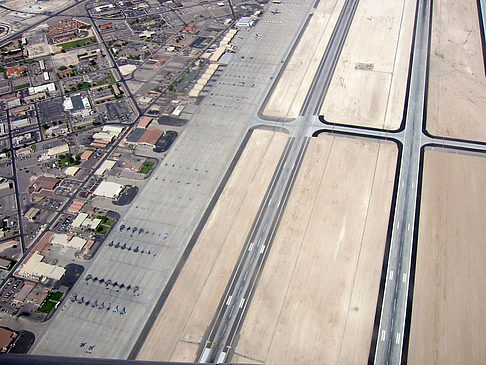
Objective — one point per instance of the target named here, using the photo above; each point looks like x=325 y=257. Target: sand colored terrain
x=289 y=94
x=457 y=86
x=369 y=85
x=193 y=300
x=316 y=299
x=448 y=317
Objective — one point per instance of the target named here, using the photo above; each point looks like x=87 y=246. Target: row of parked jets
x=95 y=304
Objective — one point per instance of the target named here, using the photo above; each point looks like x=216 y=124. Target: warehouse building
x=35 y=269
x=109 y=190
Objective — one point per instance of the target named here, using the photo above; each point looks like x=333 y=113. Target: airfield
x=324 y=268
x=342 y=227
x=369 y=85
x=447 y=316
x=457 y=84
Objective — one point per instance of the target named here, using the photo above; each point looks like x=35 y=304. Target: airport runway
x=387 y=347
x=227 y=320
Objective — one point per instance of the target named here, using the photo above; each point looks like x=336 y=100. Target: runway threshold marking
x=383 y=334
x=229 y=300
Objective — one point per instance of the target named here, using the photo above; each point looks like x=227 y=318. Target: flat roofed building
x=108 y=189
x=31 y=213
x=105 y=166
x=35 y=269
x=91 y=223
x=4 y=264
x=67 y=241
x=79 y=220
x=150 y=137
x=76 y=206
x=24 y=292
x=144 y=122
x=42 y=88
x=86 y=155
x=44 y=184
x=6 y=338
x=54 y=151
x=71 y=170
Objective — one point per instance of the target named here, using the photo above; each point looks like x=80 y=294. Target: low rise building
x=108 y=189
x=7 y=337
x=44 y=186
x=34 y=269
x=54 y=151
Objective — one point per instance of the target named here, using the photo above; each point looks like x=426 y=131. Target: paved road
x=227 y=321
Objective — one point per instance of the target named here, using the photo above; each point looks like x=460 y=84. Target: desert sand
x=369 y=85
x=316 y=299
x=289 y=94
x=193 y=300
x=457 y=84
x=448 y=317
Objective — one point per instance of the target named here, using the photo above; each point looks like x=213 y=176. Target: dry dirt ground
x=369 y=85
x=288 y=97
x=193 y=300
x=315 y=302
x=448 y=316
x=457 y=84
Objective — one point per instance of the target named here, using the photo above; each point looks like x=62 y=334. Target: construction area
x=457 y=86
x=378 y=71
x=193 y=300
x=289 y=94
x=448 y=320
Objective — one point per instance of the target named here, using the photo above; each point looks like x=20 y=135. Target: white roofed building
x=108 y=189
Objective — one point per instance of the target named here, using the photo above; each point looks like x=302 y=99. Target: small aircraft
x=275 y=12
x=123 y=311
x=82 y=344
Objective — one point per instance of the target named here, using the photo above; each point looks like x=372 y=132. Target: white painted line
x=408 y=228
x=270 y=201
x=221 y=357
x=278 y=204
x=404 y=277
x=383 y=333
x=242 y=302
x=398 y=225
x=251 y=246
x=403 y=183
x=391 y=274
x=229 y=300
x=205 y=355
x=413 y=185
x=398 y=338
x=262 y=249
